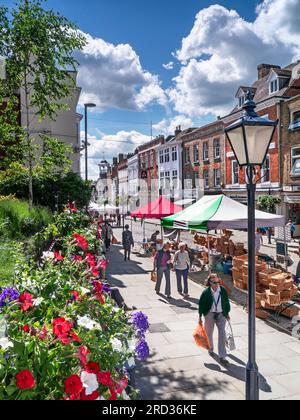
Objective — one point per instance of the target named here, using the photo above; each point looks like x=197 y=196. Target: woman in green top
x=214 y=305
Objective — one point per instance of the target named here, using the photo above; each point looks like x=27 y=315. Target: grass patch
x=10 y=254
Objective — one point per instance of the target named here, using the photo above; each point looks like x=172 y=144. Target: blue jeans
x=182 y=274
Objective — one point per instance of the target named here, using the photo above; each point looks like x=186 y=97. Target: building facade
x=133 y=181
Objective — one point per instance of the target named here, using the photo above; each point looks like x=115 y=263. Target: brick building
x=273 y=87
x=204 y=159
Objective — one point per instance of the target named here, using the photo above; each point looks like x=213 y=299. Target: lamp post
x=250 y=138
x=86 y=106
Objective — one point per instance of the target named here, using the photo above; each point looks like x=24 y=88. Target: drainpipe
x=280 y=153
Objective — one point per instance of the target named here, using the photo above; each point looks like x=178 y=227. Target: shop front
x=292 y=204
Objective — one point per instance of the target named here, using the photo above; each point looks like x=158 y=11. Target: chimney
x=115 y=161
x=264 y=70
x=121 y=157
x=177 y=130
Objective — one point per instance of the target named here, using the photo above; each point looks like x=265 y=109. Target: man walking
x=214 y=305
x=127 y=240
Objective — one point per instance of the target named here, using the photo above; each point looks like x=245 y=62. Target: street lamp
x=86 y=106
x=250 y=138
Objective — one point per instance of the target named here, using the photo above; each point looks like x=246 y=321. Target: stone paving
x=177 y=369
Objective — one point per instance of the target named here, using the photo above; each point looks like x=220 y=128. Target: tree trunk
x=28 y=141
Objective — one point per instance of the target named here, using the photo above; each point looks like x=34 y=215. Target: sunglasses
x=215 y=283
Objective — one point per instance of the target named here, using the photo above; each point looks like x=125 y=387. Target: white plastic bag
x=230 y=343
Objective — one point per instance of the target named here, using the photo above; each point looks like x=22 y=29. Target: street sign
x=281 y=248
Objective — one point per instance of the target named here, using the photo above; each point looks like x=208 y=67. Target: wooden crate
x=239 y=284
x=288 y=284
x=279 y=279
x=291 y=312
x=273 y=299
x=265 y=274
x=276 y=288
x=236 y=274
x=238 y=262
x=261 y=314
x=266 y=305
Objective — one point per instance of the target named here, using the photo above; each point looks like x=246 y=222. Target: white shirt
x=182 y=260
x=217 y=304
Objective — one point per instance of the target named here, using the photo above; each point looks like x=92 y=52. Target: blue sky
x=210 y=49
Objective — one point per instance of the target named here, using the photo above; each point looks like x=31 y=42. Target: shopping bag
x=154 y=276
x=201 y=338
x=229 y=340
x=114 y=240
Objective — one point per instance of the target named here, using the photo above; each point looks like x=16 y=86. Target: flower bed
x=61 y=336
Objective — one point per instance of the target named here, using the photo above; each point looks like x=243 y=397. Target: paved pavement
x=177 y=369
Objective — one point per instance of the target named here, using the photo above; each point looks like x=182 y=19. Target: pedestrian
x=293 y=229
x=214 y=305
x=182 y=266
x=107 y=234
x=258 y=241
x=162 y=263
x=127 y=241
x=153 y=239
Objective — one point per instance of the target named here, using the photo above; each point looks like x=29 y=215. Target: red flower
x=26 y=328
x=105 y=379
x=75 y=337
x=57 y=256
x=92 y=367
x=103 y=264
x=95 y=272
x=26 y=301
x=77 y=258
x=81 y=242
x=61 y=326
x=25 y=380
x=98 y=289
x=91 y=397
x=75 y=296
x=113 y=395
x=83 y=352
x=73 y=385
x=91 y=260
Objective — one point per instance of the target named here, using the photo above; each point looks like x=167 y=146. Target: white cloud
x=168 y=126
x=223 y=50
x=109 y=146
x=169 y=66
x=112 y=76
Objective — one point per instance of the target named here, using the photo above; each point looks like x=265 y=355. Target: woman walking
x=214 y=305
x=162 y=263
x=182 y=266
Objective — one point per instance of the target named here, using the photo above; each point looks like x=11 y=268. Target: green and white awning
x=219 y=212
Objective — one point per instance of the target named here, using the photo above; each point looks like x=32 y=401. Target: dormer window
x=242 y=100
x=274 y=86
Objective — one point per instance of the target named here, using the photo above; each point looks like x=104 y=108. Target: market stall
x=158 y=209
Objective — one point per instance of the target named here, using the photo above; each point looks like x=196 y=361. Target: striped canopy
x=219 y=212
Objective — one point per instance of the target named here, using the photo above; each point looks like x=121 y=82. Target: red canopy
x=157 y=210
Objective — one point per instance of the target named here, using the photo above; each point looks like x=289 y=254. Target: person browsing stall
x=182 y=266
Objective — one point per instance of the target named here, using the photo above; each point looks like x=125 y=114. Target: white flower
x=89 y=381
x=117 y=345
x=5 y=343
x=38 y=301
x=88 y=323
x=3 y=326
x=84 y=291
x=48 y=255
x=132 y=345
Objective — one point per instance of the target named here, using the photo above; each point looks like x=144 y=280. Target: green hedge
x=16 y=221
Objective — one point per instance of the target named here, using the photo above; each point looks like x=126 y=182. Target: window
x=167 y=179
x=196 y=153
x=274 y=86
x=295 y=123
x=205 y=151
x=235 y=172
x=161 y=156
x=217 y=149
x=295 y=161
x=206 y=179
x=167 y=155
x=242 y=101
x=151 y=159
x=265 y=170
x=217 y=177
x=162 y=177
x=197 y=179
x=175 y=179
x=187 y=155
x=174 y=154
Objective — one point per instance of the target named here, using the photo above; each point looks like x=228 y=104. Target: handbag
x=114 y=240
x=154 y=276
x=229 y=340
x=201 y=338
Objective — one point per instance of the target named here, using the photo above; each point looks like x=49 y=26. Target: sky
x=171 y=62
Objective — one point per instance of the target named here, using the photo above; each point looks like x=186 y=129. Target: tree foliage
x=269 y=203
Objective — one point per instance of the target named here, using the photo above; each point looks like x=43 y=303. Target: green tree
x=39 y=48
x=269 y=203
